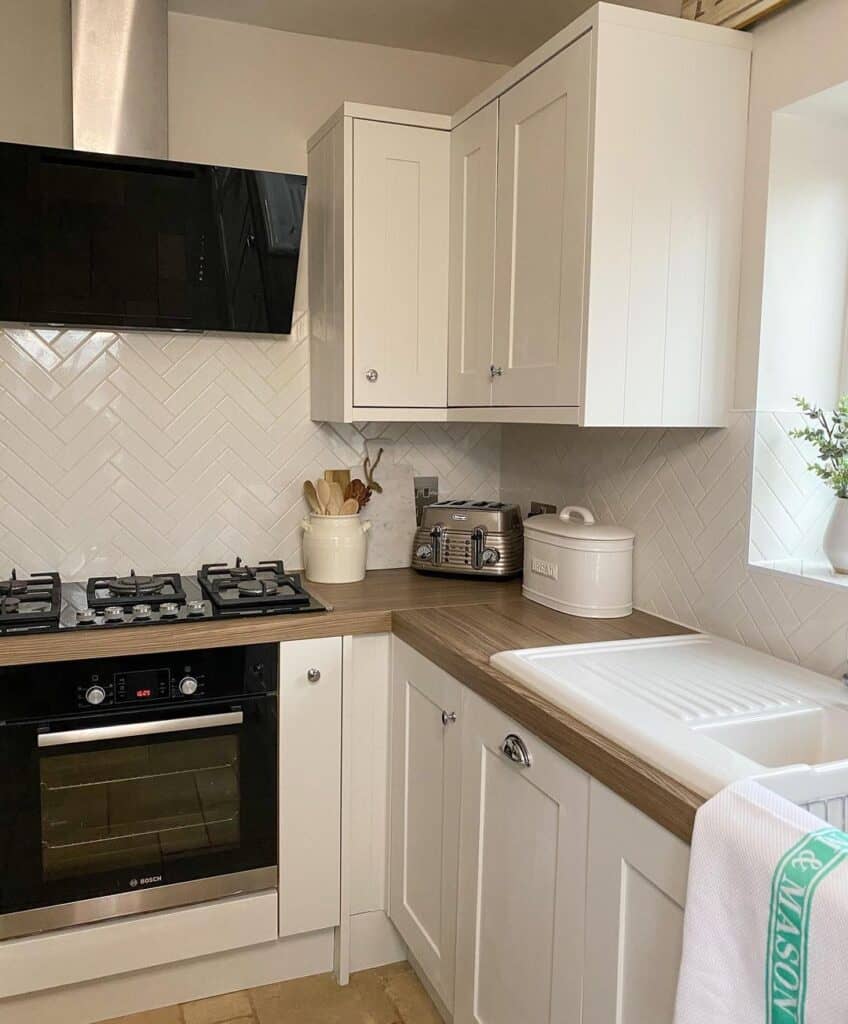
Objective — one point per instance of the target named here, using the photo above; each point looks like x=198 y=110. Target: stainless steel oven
x=133 y=784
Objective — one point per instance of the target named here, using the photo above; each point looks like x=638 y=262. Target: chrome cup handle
x=516 y=750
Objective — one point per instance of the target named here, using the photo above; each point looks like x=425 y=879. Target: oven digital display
x=146 y=684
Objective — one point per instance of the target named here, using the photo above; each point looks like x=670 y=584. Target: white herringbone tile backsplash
x=686 y=494
x=160 y=451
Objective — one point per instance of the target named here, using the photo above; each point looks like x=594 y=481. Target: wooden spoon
x=311 y=496
x=350 y=507
x=322 y=489
x=334 y=505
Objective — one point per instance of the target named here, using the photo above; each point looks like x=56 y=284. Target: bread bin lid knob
x=577 y=523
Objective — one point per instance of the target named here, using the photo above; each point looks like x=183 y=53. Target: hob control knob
x=188 y=686
x=95 y=695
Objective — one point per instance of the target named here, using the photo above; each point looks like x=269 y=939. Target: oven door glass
x=123 y=803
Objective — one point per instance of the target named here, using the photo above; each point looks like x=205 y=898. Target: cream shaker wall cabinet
x=377 y=214
x=616 y=157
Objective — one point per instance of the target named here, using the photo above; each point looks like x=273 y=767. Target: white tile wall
x=686 y=493
x=791 y=506
x=162 y=451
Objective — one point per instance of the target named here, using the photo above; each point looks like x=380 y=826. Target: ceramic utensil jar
x=577 y=565
x=334 y=548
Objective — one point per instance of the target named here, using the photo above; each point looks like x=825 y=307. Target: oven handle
x=118 y=732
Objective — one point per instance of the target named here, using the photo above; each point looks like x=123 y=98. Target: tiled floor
x=385 y=995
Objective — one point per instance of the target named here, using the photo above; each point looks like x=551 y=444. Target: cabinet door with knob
x=522 y=875
x=310 y=742
x=400 y=269
x=542 y=213
x=425 y=792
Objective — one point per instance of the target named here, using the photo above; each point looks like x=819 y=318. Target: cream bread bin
x=577 y=565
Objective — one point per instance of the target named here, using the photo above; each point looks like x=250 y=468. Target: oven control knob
x=188 y=686
x=95 y=695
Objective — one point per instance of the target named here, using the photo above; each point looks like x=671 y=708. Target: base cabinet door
x=522 y=876
x=425 y=791
x=542 y=211
x=310 y=784
x=634 y=914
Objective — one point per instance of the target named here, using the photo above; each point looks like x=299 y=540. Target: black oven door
x=117 y=813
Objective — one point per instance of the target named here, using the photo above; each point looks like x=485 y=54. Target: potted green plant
x=828 y=433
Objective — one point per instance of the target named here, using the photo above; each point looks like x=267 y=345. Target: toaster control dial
x=491 y=556
x=424 y=552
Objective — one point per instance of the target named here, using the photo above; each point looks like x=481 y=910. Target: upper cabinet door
x=400 y=267
x=541 y=231
x=474 y=173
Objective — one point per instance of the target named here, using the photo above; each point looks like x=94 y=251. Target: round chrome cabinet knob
x=95 y=695
x=141 y=611
x=168 y=610
x=313 y=675
x=188 y=686
x=114 y=613
x=371 y=376
x=424 y=552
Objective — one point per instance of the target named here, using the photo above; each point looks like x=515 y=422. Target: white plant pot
x=835 y=542
x=334 y=548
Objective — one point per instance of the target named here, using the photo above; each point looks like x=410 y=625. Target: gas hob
x=43 y=603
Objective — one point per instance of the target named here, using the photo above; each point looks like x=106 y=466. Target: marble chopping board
x=392 y=514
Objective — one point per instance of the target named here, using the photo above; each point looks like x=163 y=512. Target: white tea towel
x=765 y=935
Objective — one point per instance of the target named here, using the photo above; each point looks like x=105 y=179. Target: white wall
x=35 y=72
x=687 y=493
x=253 y=96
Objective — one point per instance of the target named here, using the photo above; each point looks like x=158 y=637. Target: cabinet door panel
x=424 y=814
x=634 y=914
x=310 y=801
x=474 y=158
x=400 y=270
x=522 y=878
x=540 y=264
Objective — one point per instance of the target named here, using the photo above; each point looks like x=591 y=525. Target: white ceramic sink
x=703 y=709
x=814 y=735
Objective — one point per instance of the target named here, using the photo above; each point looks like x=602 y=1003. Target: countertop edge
x=665 y=800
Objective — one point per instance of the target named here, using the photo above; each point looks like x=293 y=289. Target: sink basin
x=814 y=735
x=702 y=709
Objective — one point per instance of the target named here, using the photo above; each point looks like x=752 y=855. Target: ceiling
x=500 y=31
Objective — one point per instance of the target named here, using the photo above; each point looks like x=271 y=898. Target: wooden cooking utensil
x=322 y=489
x=311 y=496
x=350 y=507
x=339 y=476
x=336 y=499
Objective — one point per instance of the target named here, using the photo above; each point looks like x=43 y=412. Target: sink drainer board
x=695 y=679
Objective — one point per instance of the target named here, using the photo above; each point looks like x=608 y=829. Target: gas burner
x=265 y=587
x=33 y=603
x=130 y=591
x=137 y=586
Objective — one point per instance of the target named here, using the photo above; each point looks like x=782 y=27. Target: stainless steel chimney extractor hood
x=120 y=76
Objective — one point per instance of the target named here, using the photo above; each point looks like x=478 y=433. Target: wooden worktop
x=456 y=623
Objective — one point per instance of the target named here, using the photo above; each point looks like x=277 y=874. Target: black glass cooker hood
x=110 y=241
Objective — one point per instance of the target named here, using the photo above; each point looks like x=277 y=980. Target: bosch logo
x=150 y=880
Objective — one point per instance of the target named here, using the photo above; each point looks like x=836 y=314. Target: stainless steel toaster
x=475 y=538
